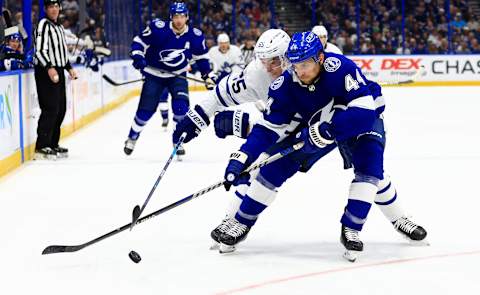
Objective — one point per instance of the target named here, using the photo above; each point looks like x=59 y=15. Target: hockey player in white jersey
x=322 y=33
x=226 y=58
x=249 y=85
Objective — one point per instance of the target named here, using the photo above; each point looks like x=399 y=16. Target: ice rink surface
x=432 y=155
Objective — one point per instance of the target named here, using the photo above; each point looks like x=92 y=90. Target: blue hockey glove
x=28 y=61
x=231 y=123
x=139 y=62
x=210 y=80
x=237 y=164
x=192 y=123
x=315 y=137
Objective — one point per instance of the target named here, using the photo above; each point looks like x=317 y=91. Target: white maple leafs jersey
x=332 y=48
x=228 y=62
x=249 y=85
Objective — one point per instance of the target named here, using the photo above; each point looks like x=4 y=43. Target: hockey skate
x=226 y=224
x=413 y=232
x=234 y=235
x=165 y=124
x=351 y=241
x=180 y=152
x=62 y=152
x=45 y=154
x=129 y=146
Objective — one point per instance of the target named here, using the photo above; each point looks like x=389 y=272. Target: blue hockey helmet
x=178 y=8
x=303 y=46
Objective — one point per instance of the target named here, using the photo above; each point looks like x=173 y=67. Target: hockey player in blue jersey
x=318 y=85
x=11 y=55
x=161 y=50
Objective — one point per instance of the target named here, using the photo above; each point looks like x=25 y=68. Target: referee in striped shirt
x=51 y=61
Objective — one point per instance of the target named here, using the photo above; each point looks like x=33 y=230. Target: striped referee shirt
x=247 y=54
x=51 y=45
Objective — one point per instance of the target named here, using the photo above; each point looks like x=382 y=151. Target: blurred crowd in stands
x=426 y=26
x=86 y=42
x=377 y=29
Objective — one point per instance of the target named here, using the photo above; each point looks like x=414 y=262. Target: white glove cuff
x=239 y=156
x=316 y=138
x=197 y=119
x=237 y=123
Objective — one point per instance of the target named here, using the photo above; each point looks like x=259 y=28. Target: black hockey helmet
x=50 y=2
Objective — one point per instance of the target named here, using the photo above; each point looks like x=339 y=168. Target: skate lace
x=237 y=229
x=130 y=143
x=352 y=235
x=225 y=225
x=405 y=225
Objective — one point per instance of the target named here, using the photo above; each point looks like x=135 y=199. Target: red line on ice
x=342 y=269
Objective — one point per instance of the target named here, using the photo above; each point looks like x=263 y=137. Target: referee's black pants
x=53 y=103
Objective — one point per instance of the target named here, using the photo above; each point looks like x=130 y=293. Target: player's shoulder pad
x=332 y=62
x=197 y=32
x=158 y=23
x=280 y=83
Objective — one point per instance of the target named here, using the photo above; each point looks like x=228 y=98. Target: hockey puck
x=134 y=256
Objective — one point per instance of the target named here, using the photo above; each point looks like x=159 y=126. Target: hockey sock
x=180 y=108
x=139 y=122
x=163 y=107
x=362 y=193
x=260 y=195
x=387 y=201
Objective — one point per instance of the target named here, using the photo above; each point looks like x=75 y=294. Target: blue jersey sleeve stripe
x=220 y=98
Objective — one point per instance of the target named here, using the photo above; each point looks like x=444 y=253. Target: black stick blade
x=60 y=249
x=135 y=215
x=7 y=18
x=107 y=78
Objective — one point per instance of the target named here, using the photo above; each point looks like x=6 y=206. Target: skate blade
x=44 y=157
x=62 y=156
x=224 y=249
x=351 y=255
x=422 y=243
x=215 y=246
x=180 y=158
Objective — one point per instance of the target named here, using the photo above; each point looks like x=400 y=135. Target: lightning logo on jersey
x=172 y=57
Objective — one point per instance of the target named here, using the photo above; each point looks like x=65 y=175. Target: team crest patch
x=310 y=37
x=277 y=83
x=159 y=24
x=197 y=32
x=332 y=64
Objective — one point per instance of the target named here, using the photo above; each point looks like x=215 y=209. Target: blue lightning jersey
x=12 y=59
x=165 y=50
x=340 y=85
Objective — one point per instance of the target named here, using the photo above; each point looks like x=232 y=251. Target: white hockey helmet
x=272 y=43
x=320 y=31
x=223 y=38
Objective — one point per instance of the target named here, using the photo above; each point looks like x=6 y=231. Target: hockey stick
x=400 y=83
x=137 y=211
x=183 y=77
x=110 y=81
x=61 y=249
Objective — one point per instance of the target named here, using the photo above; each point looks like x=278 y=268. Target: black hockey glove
x=231 y=123
x=192 y=123
x=210 y=80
